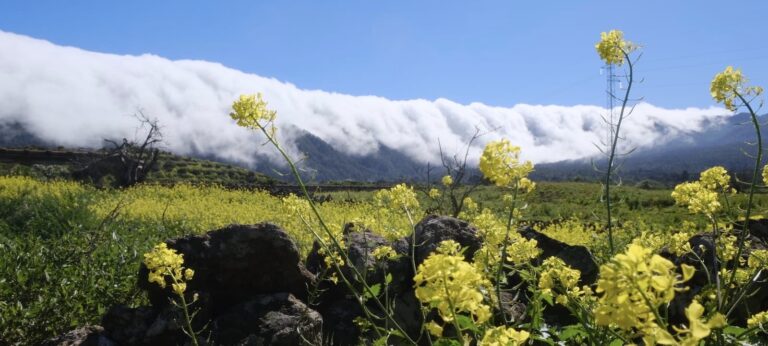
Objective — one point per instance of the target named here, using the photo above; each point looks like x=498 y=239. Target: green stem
x=612 y=155
x=335 y=241
x=758 y=161
x=500 y=270
x=453 y=310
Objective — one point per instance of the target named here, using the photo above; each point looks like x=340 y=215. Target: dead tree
x=128 y=162
x=455 y=166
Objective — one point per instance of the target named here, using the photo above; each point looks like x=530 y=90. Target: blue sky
x=496 y=52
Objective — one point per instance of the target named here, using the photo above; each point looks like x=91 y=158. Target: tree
x=129 y=162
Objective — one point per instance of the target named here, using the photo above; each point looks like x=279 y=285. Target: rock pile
x=251 y=287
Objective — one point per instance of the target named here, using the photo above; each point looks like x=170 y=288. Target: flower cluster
x=451 y=285
x=715 y=179
x=163 y=262
x=633 y=286
x=698 y=198
x=729 y=85
x=757 y=319
x=250 y=111
x=400 y=196
x=612 y=47
x=447 y=180
x=504 y=336
x=559 y=280
x=765 y=174
x=500 y=163
x=385 y=252
x=698 y=329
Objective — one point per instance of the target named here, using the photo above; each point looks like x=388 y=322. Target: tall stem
x=500 y=270
x=356 y=273
x=758 y=161
x=612 y=155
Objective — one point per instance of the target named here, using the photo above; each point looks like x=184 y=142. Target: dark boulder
x=576 y=256
x=235 y=264
x=434 y=229
x=83 y=336
x=273 y=319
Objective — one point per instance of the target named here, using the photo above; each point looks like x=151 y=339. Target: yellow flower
x=765 y=174
x=715 y=179
x=504 y=336
x=698 y=198
x=728 y=85
x=757 y=319
x=470 y=204
x=451 y=285
x=447 y=180
x=384 y=252
x=698 y=329
x=401 y=196
x=500 y=163
x=522 y=250
x=435 y=329
x=250 y=111
x=179 y=288
x=633 y=285
x=758 y=259
x=558 y=279
x=163 y=262
x=612 y=47
x=434 y=193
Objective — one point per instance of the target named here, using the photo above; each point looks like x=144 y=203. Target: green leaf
x=548 y=298
x=388 y=278
x=734 y=330
x=616 y=342
x=446 y=342
x=570 y=332
x=382 y=341
x=374 y=292
x=466 y=323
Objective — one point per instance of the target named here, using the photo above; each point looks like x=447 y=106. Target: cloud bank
x=74 y=97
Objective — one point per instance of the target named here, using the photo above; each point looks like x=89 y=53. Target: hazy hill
x=678 y=160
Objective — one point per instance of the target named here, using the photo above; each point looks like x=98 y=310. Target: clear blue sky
x=495 y=52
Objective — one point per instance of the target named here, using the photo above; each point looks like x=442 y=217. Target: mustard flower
x=728 y=85
x=500 y=163
x=434 y=193
x=401 y=196
x=715 y=179
x=504 y=336
x=633 y=285
x=765 y=174
x=451 y=285
x=612 y=47
x=435 y=329
x=698 y=198
x=758 y=259
x=384 y=252
x=757 y=319
x=557 y=279
x=522 y=250
x=447 y=180
x=250 y=111
x=164 y=262
x=697 y=329
x=470 y=204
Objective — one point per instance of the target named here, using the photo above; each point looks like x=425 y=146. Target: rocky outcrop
x=83 y=336
x=235 y=264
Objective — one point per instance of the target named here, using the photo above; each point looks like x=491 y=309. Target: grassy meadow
x=69 y=251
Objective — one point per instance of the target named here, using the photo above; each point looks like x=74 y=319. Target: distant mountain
x=678 y=160
x=322 y=162
x=672 y=162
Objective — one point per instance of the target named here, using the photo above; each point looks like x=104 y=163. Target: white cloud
x=76 y=98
